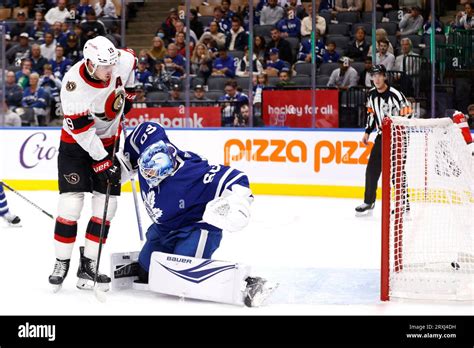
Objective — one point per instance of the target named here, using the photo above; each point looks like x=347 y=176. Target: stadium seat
x=206 y=10
x=157 y=96
x=341 y=41
x=393 y=40
x=304 y=81
x=214 y=2
x=338 y=29
x=196 y=3
x=415 y=39
x=263 y=30
x=367 y=17
x=237 y=54
x=273 y=80
x=322 y=80
x=327 y=16
x=303 y=68
x=347 y=17
x=5 y=13
x=367 y=27
x=18 y=9
x=359 y=66
x=197 y=81
x=327 y=68
x=294 y=43
x=216 y=83
x=214 y=95
x=243 y=82
x=390 y=27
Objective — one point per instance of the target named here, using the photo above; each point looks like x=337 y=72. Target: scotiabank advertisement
x=292 y=108
x=175 y=117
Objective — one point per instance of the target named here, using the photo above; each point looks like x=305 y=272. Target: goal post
x=427 y=211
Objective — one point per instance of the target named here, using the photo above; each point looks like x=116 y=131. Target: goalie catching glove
x=105 y=170
x=231 y=211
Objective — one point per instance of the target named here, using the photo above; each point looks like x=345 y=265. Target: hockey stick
x=26 y=199
x=134 y=192
x=99 y=294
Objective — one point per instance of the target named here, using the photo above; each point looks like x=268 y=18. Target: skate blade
x=86 y=284
x=57 y=287
x=366 y=213
x=262 y=296
x=140 y=286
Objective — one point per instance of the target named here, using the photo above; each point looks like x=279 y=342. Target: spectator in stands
x=290 y=25
x=386 y=6
x=259 y=48
x=210 y=43
x=348 y=5
x=298 y=8
x=241 y=118
x=405 y=64
x=260 y=84
x=181 y=28
x=307 y=24
x=201 y=61
x=19 y=51
x=365 y=78
x=284 y=78
x=39 y=29
x=174 y=62
x=304 y=54
x=216 y=34
x=78 y=31
x=20 y=26
x=13 y=91
x=222 y=22
x=427 y=26
x=224 y=65
x=60 y=64
x=195 y=24
x=49 y=46
x=237 y=38
x=82 y=9
x=180 y=42
x=284 y=47
x=326 y=6
x=140 y=99
x=330 y=54
x=8 y=42
x=175 y=97
x=158 y=50
x=42 y=6
x=12 y=119
x=57 y=14
x=35 y=98
x=106 y=9
x=470 y=114
x=168 y=25
x=72 y=51
x=37 y=60
x=411 y=23
x=91 y=27
x=275 y=64
x=200 y=95
x=65 y=31
x=143 y=75
x=465 y=20
x=243 y=66
x=383 y=56
x=57 y=33
x=271 y=14
x=380 y=34
x=52 y=86
x=23 y=76
x=235 y=98
x=357 y=49
x=345 y=76
x=228 y=13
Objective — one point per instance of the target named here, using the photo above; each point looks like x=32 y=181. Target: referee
x=382 y=101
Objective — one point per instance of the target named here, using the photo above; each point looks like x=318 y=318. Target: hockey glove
x=105 y=170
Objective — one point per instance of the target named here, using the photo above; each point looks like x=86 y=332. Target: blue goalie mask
x=156 y=163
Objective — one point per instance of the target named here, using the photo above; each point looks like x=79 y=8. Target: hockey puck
x=455 y=265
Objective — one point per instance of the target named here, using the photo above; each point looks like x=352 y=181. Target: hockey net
x=427 y=211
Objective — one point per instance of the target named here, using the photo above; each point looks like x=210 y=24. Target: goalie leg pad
x=210 y=280
x=98 y=203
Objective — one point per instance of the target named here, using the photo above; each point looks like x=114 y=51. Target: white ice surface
x=325 y=259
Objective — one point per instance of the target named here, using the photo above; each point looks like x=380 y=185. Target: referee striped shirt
x=389 y=103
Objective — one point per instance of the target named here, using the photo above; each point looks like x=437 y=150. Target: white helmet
x=100 y=51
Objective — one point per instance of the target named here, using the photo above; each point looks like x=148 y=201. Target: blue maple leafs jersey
x=180 y=199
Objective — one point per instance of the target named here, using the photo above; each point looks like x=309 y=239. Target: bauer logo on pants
x=72 y=178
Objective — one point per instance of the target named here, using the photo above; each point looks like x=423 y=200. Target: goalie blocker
x=190 y=277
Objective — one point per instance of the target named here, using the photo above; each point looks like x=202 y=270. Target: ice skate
x=61 y=267
x=12 y=219
x=257 y=291
x=365 y=209
x=86 y=273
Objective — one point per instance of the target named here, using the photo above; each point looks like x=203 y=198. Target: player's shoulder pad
x=128 y=55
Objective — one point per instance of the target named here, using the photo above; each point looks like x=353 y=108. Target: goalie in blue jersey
x=191 y=203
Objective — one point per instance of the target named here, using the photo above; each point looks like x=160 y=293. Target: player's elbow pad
x=229 y=213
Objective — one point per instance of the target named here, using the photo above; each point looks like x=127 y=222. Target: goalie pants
x=198 y=241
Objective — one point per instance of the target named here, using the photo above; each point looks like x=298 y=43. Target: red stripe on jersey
x=83 y=129
x=66 y=137
x=67 y=240
x=97 y=220
x=108 y=141
x=95 y=238
x=66 y=221
x=87 y=79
